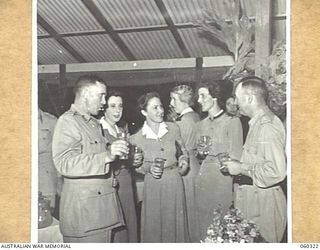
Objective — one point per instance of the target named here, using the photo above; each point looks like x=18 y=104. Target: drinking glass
x=123 y=136
x=159 y=162
x=205 y=141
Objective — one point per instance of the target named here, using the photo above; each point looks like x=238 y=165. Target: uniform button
x=99 y=192
x=162 y=149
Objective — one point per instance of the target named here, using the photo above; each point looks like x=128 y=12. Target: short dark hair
x=86 y=81
x=144 y=99
x=257 y=85
x=216 y=91
x=115 y=93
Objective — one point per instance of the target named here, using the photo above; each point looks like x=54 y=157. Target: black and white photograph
x=162 y=121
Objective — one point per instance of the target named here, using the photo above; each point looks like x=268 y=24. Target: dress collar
x=107 y=126
x=148 y=132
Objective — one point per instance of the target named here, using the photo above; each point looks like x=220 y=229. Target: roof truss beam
x=47 y=27
x=96 y=13
x=172 y=28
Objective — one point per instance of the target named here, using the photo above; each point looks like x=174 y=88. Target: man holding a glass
x=263 y=161
x=89 y=204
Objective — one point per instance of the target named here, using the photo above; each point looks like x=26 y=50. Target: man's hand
x=233 y=166
x=183 y=166
x=119 y=147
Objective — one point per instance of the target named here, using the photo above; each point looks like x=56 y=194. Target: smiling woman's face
x=114 y=110
x=154 y=111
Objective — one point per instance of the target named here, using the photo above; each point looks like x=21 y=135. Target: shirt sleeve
x=67 y=152
x=187 y=133
x=145 y=166
x=271 y=168
x=235 y=133
x=181 y=144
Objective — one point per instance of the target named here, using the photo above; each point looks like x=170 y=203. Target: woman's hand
x=137 y=159
x=156 y=171
x=183 y=166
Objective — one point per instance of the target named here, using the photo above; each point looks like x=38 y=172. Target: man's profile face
x=241 y=99
x=96 y=98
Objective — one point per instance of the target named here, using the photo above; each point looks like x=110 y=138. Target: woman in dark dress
x=121 y=170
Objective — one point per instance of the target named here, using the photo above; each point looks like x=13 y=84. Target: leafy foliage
x=237 y=35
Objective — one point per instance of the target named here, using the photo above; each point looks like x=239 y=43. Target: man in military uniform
x=263 y=160
x=49 y=180
x=89 y=206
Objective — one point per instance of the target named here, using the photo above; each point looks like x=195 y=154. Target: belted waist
x=211 y=159
x=170 y=167
x=95 y=178
x=167 y=168
x=243 y=180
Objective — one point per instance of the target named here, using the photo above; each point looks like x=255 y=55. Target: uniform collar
x=148 y=132
x=76 y=111
x=217 y=115
x=187 y=110
x=264 y=114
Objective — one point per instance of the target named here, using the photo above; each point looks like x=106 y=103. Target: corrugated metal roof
x=197 y=46
x=97 y=48
x=152 y=45
x=41 y=31
x=71 y=16
x=130 y=13
x=186 y=11
x=51 y=52
x=67 y=16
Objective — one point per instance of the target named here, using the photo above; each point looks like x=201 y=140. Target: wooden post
x=199 y=66
x=262 y=36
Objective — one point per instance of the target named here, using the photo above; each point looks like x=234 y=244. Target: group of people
x=184 y=178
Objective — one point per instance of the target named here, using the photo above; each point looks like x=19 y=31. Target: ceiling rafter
x=47 y=27
x=172 y=27
x=96 y=13
x=124 y=30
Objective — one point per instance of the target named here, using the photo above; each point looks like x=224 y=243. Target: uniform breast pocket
x=94 y=146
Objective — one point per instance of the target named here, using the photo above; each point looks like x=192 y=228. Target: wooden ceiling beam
x=160 y=64
x=172 y=27
x=96 y=13
x=53 y=34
